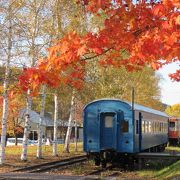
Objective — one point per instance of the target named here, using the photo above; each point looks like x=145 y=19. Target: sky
x=170 y=91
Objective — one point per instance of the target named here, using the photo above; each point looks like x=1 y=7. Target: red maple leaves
x=134 y=35
x=175 y=76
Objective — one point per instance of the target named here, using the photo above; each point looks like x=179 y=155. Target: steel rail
x=97 y=172
x=50 y=165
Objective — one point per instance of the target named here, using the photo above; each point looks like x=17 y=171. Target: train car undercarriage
x=120 y=159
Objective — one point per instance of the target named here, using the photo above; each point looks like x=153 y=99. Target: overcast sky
x=170 y=90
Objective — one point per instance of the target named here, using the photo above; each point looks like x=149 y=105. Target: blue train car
x=113 y=128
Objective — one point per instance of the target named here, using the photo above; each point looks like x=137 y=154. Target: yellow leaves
x=173 y=110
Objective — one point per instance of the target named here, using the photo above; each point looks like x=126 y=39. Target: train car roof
x=174 y=118
x=136 y=106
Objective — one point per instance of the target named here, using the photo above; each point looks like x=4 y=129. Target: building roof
x=35 y=117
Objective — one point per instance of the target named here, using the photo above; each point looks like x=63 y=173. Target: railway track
x=51 y=165
x=111 y=173
x=99 y=171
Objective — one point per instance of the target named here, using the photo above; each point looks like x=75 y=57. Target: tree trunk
x=55 y=125
x=71 y=116
x=4 y=125
x=40 y=132
x=26 y=128
x=76 y=136
x=5 y=93
x=16 y=140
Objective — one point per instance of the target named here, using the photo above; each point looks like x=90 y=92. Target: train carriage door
x=108 y=130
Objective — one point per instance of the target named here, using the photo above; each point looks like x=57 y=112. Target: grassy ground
x=13 y=154
x=46 y=150
x=156 y=170
x=163 y=169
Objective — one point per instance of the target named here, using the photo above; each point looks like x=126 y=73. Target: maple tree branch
x=88 y=58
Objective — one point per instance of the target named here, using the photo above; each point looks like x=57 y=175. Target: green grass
x=165 y=173
x=172 y=148
x=160 y=172
x=170 y=171
x=47 y=150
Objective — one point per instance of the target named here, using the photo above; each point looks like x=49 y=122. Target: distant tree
x=173 y=110
x=118 y=83
x=15 y=104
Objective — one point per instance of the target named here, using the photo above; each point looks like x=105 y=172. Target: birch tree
x=35 y=39
x=66 y=16
x=40 y=131
x=26 y=127
x=55 y=125
x=7 y=28
x=6 y=83
x=70 y=122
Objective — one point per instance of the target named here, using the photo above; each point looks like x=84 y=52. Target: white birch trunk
x=55 y=125
x=71 y=116
x=4 y=124
x=40 y=130
x=26 y=128
x=76 y=136
x=5 y=93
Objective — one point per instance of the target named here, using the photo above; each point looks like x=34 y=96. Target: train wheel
x=103 y=163
x=97 y=161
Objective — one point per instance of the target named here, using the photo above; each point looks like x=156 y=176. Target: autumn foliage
x=135 y=34
x=15 y=104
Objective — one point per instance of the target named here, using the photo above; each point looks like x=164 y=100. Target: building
x=48 y=126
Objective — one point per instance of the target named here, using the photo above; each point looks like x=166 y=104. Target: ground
x=13 y=162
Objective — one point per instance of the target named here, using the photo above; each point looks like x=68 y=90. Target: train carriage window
x=172 y=124
x=153 y=127
x=124 y=126
x=143 y=129
x=166 y=127
x=150 y=128
x=137 y=127
x=157 y=127
x=108 y=121
x=163 y=127
x=160 y=127
x=146 y=126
